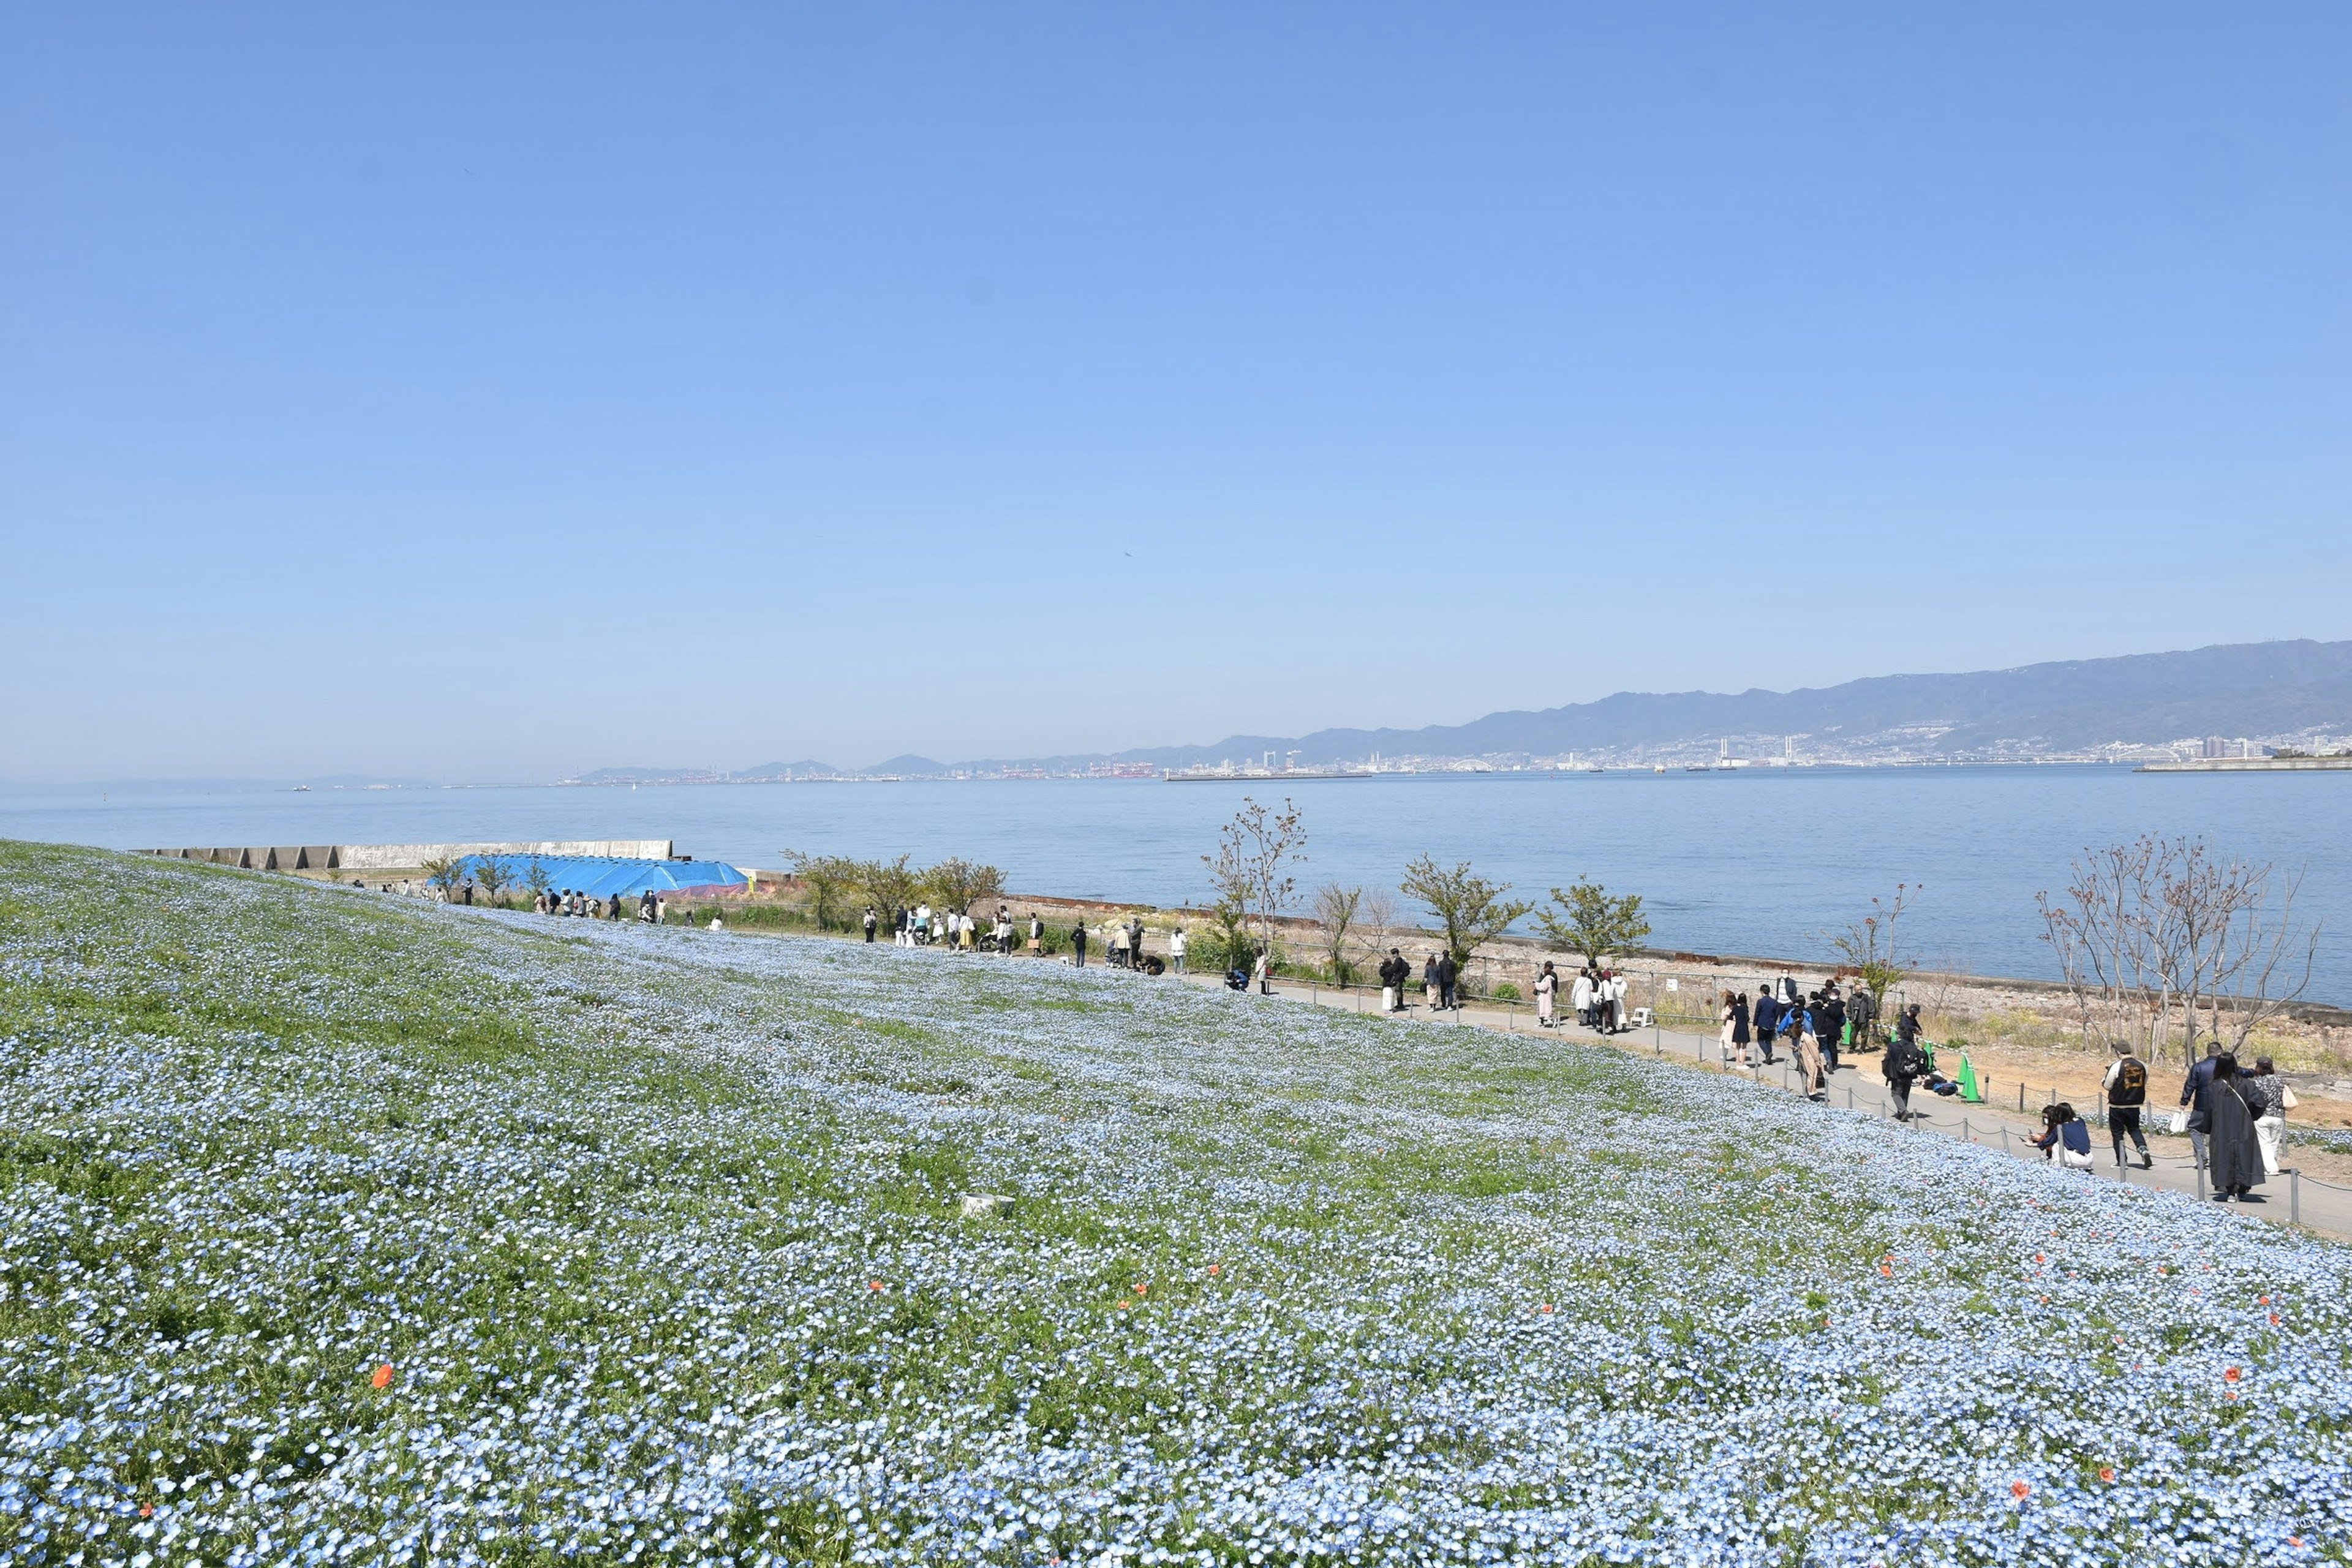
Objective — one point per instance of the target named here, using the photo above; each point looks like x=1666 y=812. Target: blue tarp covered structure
x=603 y=876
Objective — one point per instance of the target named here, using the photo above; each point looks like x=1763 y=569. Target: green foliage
x=889 y=885
x=1506 y=992
x=829 y=880
x=961 y=885
x=491 y=875
x=1585 y=919
x=536 y=878
x=1471 y=909
x=444 y=872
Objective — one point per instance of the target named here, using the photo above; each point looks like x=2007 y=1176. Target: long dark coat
x=2236 y=1157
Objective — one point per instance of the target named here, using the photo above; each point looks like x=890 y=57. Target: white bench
x=1639 y=1018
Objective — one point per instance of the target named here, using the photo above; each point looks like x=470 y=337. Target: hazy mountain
x=2244 y=689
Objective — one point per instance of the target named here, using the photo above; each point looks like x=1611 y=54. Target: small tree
x=1376 y=919
x=958 y=884
x=1868 y=944
x=536 y=878
x=1335 y=915
x=445 y=872
x=1586 y=919
x=889 y=885
x=492 y=873
x=829 y=880
x=1472 y=909
x=1249 y=869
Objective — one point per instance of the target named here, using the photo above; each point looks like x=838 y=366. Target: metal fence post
x=2004 y=1139
x=2294 y=1197
x=2200 y=1179
x=1967 y=1136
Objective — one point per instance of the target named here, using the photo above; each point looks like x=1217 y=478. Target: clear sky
x=477 y=391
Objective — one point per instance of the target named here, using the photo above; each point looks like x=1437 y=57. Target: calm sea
x=1758 y=862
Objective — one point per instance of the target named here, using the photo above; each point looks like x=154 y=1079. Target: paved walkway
x=2284 y=1198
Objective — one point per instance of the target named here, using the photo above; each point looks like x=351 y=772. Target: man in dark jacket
x=1447 y=974
x=2192 y=1095
x=1862 y=1011
x=1765 y=1019
x=1079 y=944
x=1905 y=1063
x=1831 y=1020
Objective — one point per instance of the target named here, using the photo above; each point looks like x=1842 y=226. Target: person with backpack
x=1904 y=1064
x=2126 y=1090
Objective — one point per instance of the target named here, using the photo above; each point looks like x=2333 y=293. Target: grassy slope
x=615 y=1204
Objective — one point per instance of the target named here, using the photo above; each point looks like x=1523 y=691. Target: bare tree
x=1868 y=944
x=1249 y=869
x=2164 y=926
x=1472 y=909
x=1376 y=919
x=1335 y=914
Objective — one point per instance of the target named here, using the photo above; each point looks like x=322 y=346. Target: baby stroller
x=1237 y=979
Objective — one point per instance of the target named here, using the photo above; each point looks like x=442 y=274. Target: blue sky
x=482 y=393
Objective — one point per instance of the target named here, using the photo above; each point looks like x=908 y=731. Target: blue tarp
x=607 y=877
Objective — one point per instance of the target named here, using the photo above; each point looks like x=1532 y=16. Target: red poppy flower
x=382 y=1378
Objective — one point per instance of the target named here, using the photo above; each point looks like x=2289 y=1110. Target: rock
x=978 y=1205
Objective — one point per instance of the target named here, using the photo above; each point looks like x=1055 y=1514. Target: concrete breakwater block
x=978 y=1205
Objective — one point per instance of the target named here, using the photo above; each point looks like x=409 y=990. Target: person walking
x=1799 y=1028
x=1079 y=944
x=1766 y=1020
x=2269 y=1127
x=1906 y=1029
x=1904 y=1062
x=2233 y=1145
x=2125 y=1088
x=1547 y=990
x=2192 y=1097
x=1830 y=1022
x=1729 y=1018
x=873 y=923
x=1177 y=944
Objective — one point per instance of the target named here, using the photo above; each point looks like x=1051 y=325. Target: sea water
x=1762 y=861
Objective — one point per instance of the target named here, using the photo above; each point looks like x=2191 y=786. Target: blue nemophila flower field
x=336 y=1229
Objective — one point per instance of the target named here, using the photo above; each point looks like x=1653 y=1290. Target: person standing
x=1860 y=1013
x=1264 y=969
x=1115 y=943
x=1546 y=989
x=1448 y=979
x=873 y=923
x=1730 y=1016
x=2192 y=1097
x=2232 y=1146
x=1079 y=944
x=1178 y=943
x=1766 y=1018
x=1579 y=997
x=1739 y=1029
x=2125 y=1087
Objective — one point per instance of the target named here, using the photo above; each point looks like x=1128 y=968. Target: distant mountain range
x=2274 y=692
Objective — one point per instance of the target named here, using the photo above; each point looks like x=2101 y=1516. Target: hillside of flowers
x=338 y=1228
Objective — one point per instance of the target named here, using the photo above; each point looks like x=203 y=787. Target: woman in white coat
x=1547 y=993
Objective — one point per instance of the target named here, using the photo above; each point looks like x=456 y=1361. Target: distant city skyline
x=469 y=394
